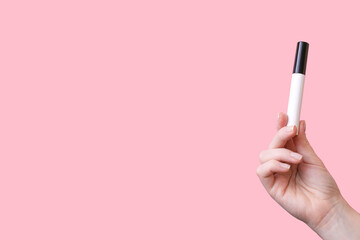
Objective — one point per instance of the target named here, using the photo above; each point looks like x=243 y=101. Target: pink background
x=144 y=119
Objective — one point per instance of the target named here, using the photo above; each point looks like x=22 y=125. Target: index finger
x=281 y=121
x=283 y=136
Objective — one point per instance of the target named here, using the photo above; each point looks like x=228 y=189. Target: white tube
x=295 y=100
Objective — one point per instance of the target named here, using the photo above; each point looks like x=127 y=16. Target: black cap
x=301 y=57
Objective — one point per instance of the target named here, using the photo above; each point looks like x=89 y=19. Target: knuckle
x=258 y=171
x=261 y=155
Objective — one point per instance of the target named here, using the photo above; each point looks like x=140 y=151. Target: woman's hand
x=297 y=179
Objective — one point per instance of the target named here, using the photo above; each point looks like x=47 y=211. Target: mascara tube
x=297 y=85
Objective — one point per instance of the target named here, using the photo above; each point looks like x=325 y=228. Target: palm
x=307 y=191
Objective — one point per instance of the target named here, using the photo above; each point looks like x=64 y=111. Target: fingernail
x=296 y=155
x=304 y=126
x=290 y=128
x=285 y=165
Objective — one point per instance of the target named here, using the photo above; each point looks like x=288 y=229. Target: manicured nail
x=285 y=165
x=295 y=155
x=290 y=128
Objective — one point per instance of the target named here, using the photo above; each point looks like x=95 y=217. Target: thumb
x=303 y=146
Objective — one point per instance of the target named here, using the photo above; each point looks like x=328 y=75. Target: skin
x=297 y=179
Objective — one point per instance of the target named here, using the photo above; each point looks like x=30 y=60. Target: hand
x=296 y=178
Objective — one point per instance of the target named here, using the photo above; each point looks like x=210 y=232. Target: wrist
x=341 y=222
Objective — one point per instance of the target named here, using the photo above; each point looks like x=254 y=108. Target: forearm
x=342 y=222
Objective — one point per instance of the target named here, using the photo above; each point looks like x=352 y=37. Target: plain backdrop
x=145 y=119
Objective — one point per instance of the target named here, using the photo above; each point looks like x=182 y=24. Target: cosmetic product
x=297 y=85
